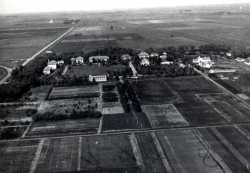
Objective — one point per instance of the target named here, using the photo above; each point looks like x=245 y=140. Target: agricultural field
x=74 y=92
x=154 y=92
x=18 y=45
x=38 y=93
x=125 y=121
x=164 y=116
x=68 y=107
x=17 y=156
x=59 y=128
x=17 y=112
x=222 y=103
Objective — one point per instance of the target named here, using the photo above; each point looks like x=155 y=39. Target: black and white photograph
x=125 y=86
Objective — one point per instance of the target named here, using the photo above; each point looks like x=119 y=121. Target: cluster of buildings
x=52 y=66
x=144 y=58
x=203 y=62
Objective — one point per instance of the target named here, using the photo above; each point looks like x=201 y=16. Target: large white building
x=204 y=62
x=98 y=78
x=98 y=58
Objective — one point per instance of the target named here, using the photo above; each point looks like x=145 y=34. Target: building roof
x=125 y=57
x=143 y=54
x=52 y=62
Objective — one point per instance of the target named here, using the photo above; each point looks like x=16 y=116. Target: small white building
x=145 y=62
x=52 y=64
x=154 y=55
x=98 y=78
x=126 y=57
x=143 y=55
x=166 y=62
x=164 y=56
x=204 y=62
x=47 y=70
x=79 y=60
x=229 y=54
x=98 y=58
x=240 y=59
x=60 y=62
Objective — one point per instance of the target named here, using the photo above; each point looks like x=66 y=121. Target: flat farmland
x=109 y=153
x=17 y=156
x=164 y=116
x=58 y=155
x=18 y=45
x=69 y=127
x=200 y=113
x=196 y=84
x=74 y=92
x=17 y=112
x=125 y=121
x=217 y=146
x=154 y=92
x=150 y=156
x=185 y=152
x=223 y=104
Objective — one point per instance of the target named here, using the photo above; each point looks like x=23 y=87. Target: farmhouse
x=79 y=60
x=164 y=56
x=143 y=55
x=92 y=59
x=204 y=62
x=52 y=64
x=145 y=62
x=47 y=70
x=126 y=57
x=154 y=55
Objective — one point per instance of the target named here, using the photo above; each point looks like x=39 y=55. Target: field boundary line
x=222 y=114
x=79 y=154
x=37 y=156
x=161 y=153
x=136 y=151
x=214 y=155
x=242 y=131
x=173 y=155
x=231 y=148
x=26 y=130
x=100 y=125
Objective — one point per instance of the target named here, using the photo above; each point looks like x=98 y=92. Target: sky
x=27 y=6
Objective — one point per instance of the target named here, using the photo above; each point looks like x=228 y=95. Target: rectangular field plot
x=192 y=84
x=200 y=113
x=185 y=153
x=58 y=155
x=150 y=156
x=234 y=141
x=229 y=107
x=74 y=92
x=217 y=146
x=125 y=121
x=164 y=115
x=85 y=126
x=109 y=153
x=17 y=156
x=155 y=92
